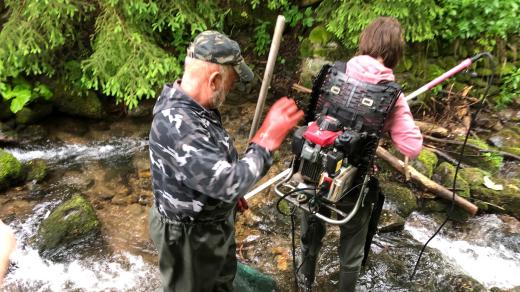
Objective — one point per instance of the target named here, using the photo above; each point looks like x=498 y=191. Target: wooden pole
x=268 y=74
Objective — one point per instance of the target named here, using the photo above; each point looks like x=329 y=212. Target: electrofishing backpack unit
x=333 y=153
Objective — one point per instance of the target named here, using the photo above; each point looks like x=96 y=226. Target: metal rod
x=267 y=184
x=268 y=74
x=464 y=64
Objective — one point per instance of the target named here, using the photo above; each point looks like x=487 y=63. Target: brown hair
x=383 y=38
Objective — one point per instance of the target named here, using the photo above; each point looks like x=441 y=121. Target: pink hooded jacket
x=405 y=135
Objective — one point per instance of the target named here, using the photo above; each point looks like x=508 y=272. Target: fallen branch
x=503 y=153
x=444 y=155
x=427 y=183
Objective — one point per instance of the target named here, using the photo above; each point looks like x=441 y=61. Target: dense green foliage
x=346 y=18
x=127 y=49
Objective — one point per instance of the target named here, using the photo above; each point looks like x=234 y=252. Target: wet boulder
x=36 y=170
x=88 y=106
x=144 y=109
x=501 y=201
x=400 y=196
x=444 y=175
x=31 y=115
x=390 y=221
x=70 y=222
x=10 y=170
x=5 y=112
x=507 y=137
x=426 y=162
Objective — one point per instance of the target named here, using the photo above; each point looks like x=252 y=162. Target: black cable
x=294 y=249
x=293 y=231
x=461 y=154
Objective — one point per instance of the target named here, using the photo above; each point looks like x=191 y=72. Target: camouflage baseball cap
x=214 y=47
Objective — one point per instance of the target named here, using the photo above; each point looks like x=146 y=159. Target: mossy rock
x=425 y=163
x=31 y=115
x=10 y=170
x=474 y=176
x=487 y=160
x=309 y=69
x=390 y=222
x=88 y=106
x=512 y=150
x=401 y=196
x=505 y=201
x=68 y=223
x=443 y=207
x=319 y=35
x=506 y=137
x=36 y=170
x=444 y=175
x=5 y=112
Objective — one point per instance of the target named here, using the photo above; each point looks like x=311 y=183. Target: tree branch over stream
x=447 y=141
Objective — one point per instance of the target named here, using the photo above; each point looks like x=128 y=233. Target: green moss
x=70 y=221
x=36 y=170
x=319 y=35
x=486 y=160
x=474 y=176
x=444 y=175
x=88 y=106
x=10 y=169
x=425 y=162
x=401 y=196
x=507 y=200
x=506 y=137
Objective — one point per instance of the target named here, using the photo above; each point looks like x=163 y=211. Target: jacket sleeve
x=203 y=166
x=405 y=135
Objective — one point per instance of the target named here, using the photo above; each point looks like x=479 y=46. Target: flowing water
x=113 y=173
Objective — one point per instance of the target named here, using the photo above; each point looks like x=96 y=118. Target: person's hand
x=7 y=246
x=281 y=118
x=242 y=205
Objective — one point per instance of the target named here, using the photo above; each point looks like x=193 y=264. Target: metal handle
x=347 y=217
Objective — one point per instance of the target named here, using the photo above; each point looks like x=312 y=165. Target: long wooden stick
x=268 y=74
x=427 y=183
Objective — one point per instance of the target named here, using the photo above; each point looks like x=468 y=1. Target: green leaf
x=43 y=91
x=19 y=102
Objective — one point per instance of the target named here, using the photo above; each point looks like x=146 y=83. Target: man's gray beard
x=218 y=98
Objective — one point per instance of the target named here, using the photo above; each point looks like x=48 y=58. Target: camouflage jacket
x=196 y=173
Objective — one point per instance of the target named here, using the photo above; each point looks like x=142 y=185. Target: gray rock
x=390 y=222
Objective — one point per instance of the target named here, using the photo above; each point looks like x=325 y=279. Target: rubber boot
x=347 y=281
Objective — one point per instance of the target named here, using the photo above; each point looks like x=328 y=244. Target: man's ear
x=215 y=80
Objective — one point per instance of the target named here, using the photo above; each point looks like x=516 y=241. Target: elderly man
x=197 y=175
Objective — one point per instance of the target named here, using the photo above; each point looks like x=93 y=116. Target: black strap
x=374 y=191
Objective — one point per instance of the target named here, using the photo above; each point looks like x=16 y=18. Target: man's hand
x=242 y=205
x=7 y=246
x=281 y=118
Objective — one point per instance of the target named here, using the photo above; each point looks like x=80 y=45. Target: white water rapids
x=120 y=271
x=477 y=251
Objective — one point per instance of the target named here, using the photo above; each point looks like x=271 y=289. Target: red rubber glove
x=281 y=118
x=242 y=205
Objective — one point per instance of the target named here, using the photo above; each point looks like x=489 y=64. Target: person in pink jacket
x=380 y=48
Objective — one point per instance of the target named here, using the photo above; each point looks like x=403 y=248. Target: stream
x=112 y=171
